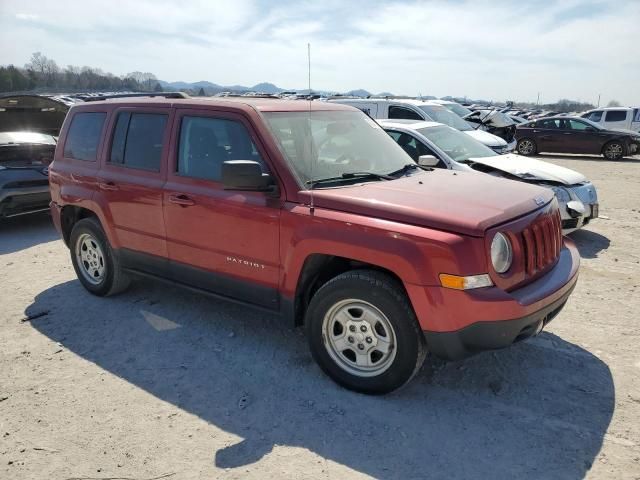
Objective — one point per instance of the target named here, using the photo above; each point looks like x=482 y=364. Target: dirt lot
x=161 y=382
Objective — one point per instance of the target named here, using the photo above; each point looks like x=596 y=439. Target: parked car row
x=312 y=210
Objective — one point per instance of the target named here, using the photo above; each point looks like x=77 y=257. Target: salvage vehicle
x=495 y=122
x=440 y=146
x=24 y=162
x=311 y=210
x=615 y=118
x=411 y=109
x=28 y=128
x=456 y=108
x=574 y=135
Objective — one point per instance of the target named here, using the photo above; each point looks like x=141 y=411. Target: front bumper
x=458 y=323
x=23 y=190
x=586 y=195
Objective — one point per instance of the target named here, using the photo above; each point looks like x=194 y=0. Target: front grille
x=542 y=241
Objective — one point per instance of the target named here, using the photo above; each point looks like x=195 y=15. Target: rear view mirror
x=245 y=175
x=428 y=160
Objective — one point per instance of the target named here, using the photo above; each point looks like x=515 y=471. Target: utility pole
x=598 y=101
x=538 y=101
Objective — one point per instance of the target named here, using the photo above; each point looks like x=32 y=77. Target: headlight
x=561 y=194
x=501 y=253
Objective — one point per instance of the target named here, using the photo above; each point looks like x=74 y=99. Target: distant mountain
x=263 y=87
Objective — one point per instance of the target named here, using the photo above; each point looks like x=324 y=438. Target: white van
x=411 y=109
x=616 y=118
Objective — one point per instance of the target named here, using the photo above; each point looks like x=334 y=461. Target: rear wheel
x=95 y=264
x=526 y=146
x=613 y=151
x=363 y=332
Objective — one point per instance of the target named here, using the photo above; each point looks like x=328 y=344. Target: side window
x=615 y=116
x=84 y=136
x=403 y=113
x=205 y=143
x=577 y=125
x=595 y=116
x=549 y=124
x=138 y=140
x=636 y=115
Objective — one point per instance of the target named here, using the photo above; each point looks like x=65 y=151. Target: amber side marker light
x=465 y=283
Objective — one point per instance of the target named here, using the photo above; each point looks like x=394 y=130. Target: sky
x=495 y=50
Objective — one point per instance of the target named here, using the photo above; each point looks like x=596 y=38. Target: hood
x=462 y=202
x=489 y=139
x=493 y=119
x=532 y=169
x=33 y=113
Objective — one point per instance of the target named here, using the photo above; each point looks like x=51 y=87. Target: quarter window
x=138 y=140
x=615 y=116
x=84 y=136
x=403 y=113
x=576 y=125
x=206 y=143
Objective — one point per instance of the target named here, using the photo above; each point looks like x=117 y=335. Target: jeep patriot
x=311 y=210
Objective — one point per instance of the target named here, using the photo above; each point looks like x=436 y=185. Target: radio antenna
x=311 y=206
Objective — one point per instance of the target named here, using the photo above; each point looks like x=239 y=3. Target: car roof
x=410 y=124
x=610 y=108
x=408 y=101
x=261 y=104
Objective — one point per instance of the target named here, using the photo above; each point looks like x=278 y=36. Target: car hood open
x=463 y=202
x=531 y=169
x=487 y=138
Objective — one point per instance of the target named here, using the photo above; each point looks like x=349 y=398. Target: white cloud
x=574 y=49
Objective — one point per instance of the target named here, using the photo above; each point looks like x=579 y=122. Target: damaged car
x=29 y=125
x=24 y=163
x=436 y=145
x=495 y=122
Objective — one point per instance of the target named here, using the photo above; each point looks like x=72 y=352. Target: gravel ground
x=162 y=383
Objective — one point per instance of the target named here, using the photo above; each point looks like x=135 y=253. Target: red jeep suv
x=309 y=209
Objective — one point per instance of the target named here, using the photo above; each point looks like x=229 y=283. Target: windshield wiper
x=350 y=176
x=407 y=168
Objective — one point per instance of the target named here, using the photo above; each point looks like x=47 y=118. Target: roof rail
x=141 y=94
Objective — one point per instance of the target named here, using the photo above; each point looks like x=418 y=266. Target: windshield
x=439 y=114
x=459 y=146
x=323 y=144
x=458 y=109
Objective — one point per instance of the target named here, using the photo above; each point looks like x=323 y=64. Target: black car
x=24 y=162
x=574 y=135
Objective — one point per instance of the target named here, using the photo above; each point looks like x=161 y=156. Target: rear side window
x=205 y=143
x=595 y=116
x=615 y=116
x=84 y=136
x=403 y=113
x=138 y=140
x=636 y=115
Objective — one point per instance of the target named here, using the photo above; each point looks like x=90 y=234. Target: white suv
x=411 y=109
x=616 y=118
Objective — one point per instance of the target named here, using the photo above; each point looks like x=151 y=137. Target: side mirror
x=246 y=175
x=589 y=129
x=428 y=160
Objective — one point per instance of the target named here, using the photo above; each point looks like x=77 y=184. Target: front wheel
x=613 y=151
x=363 y=332
x=526 y=146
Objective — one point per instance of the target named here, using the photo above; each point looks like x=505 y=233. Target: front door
x=220 y=240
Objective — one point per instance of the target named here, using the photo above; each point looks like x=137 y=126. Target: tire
x=96 y=266
x=613 y=150
x=526 y=146
x=365 y=316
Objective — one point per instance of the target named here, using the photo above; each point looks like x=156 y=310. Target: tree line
x=44 y=74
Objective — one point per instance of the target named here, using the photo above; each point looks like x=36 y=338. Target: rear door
x=220 y=240
x=130 y=184
x=549 y=136
x=615 y=119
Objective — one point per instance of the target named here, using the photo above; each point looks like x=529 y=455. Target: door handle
x=108 y=186
x=181 y=199
x=567 y=133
